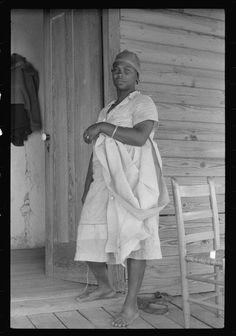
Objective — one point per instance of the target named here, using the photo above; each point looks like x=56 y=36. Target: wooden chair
x=217 y=277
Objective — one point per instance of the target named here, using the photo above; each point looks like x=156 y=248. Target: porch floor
x=40 y=302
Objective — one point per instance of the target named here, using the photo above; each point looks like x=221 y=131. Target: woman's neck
x=121 y=95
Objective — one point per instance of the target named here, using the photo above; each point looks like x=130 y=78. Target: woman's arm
x=134 y=136
x=89 y=178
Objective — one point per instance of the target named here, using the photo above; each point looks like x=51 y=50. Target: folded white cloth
x=137 y=192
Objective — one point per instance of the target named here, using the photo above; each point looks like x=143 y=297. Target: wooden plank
x=194 y=190
x=160 y=321
x=191 y=149
x=176 y=315
x=194 y=204
x=139 y=323
x=192 y=167
x=46 y=321
x=201 y=313
x=198 y=180
x=74 y=320
x=179 y=75
x=168 y=18
x=190 y=131
x=98 y=317
x=211 y=13
x=197 y=215
x=164 y=275
x=180 y=112
x=111 y=47
x=157 y=53
x=50 y=305
x=170 y=36
x=183 y=95
x=194 y=237
x=21 y=322
x=59 y=49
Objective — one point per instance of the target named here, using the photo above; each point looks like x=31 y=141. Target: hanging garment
x=24 y=90
x=20 y=124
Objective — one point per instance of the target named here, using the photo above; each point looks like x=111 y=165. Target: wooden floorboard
x=205 y=315
x=46 y=321
x=38 y=301
x=21 y=322
x=74 y=320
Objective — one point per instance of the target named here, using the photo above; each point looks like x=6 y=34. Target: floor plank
x=139 y=323
x=160 y=321
x=26 y=307
x=205 y=315
x=46 y=321
x=98 y=317
x=21 y=322
x=74 y=320
x=176 y=315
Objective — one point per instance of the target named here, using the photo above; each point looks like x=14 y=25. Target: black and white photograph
x=117 y=170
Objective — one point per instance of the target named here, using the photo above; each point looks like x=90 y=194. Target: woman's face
x=124 y=76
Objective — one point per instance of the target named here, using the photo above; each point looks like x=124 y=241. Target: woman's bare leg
x=104 y=289
x=136 y=269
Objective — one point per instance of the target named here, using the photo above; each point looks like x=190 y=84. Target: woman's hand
x=91 y=133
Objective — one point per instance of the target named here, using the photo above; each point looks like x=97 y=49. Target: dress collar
x=130 y=96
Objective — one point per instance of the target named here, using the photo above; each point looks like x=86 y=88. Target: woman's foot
x=126 y=317
x=97 y=294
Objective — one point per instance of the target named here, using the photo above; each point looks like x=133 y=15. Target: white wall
x=27 y=162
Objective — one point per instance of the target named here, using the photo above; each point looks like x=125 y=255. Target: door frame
x=111 y=46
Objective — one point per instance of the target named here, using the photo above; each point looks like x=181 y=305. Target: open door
x=75 y=92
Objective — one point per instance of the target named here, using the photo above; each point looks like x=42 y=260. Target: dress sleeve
x=145 y=109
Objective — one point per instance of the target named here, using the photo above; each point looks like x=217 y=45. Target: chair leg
x=185 y=296
x=219 y=297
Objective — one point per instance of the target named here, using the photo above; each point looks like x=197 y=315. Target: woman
x=124 y=189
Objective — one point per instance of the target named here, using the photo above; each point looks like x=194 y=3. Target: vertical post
x=111 y=47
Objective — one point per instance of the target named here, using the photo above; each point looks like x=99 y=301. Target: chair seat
x=204 y=258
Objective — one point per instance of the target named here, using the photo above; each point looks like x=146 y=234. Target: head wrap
x=130 y=58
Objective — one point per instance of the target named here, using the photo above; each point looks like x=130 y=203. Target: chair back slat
x=191 y=215
x=194 y=237
x=194 y=190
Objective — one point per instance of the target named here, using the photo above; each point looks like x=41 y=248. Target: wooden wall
x=182 y=61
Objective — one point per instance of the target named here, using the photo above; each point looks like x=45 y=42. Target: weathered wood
x=60 y=62
x=191 y=167
x=183 y=95
x=21 y=322
x=168 y=18
x=196 y=190
x=139 y=323
x=180 y=112
x=46 y=321
x=111 y=47
x=194 y=237
x=157 y=53
x=98 y=317
x=74 y=320
x=210 y=13
x=197 y=215
x=48 y=126
x=170 y=36
x=185 y=76
x=177 y=316
x=160 y=321
x=191 y=149
x=208 y=317
x=190 y=131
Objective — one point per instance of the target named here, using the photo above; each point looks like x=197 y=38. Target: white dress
x=92 y=234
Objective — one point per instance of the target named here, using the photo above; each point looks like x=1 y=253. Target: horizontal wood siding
x=182 y=60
